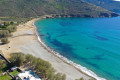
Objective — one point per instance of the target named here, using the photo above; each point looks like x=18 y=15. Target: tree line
x=43 y=68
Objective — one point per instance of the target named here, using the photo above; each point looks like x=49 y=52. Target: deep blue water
x=91 y=42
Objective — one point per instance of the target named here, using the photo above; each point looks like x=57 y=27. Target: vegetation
x=5 y=40
x=3 y=66
x=42 y=68
x=35 y=8
x=83 y=79
x=14 y=19
x=5 y=31
x=9 y=25
x=3 y=69
x=14 y=73
x=5 y=77
x=17 y=59
x=80 y=79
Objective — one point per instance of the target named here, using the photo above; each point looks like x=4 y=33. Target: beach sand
x=25 y=40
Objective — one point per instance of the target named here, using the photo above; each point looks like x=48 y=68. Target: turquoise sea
x=91 y=42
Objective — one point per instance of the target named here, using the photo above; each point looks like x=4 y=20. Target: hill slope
x=107 y=4
x=33 y=8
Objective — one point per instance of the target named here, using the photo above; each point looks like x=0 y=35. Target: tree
x=3 y=66
x=17 y=59
x=12 y=28
x=63 y=77
x=43 y=68
x=58 y=76
x=28 y=58
x=4 y=33
x=11 y=22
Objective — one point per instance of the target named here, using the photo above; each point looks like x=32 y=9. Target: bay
x=91 y=42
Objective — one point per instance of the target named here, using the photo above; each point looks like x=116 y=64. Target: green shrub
x=3 y=66
x=7 y=28
x=12 y=28
x=5 y=40
x=11 y=22
x=17 y=59
x=4 y=33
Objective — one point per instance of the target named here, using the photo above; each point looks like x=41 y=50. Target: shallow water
x=91 y=42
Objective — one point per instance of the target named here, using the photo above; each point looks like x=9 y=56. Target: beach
x=26 y=41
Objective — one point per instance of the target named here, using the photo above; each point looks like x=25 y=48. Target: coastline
x=26 y=40
x=80 y=68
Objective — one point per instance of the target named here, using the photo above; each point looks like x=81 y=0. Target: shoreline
x=27 y=41
x=80 y=68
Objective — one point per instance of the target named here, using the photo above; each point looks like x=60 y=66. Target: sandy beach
x=25 y=40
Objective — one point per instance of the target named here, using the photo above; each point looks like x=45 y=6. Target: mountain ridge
x=34 y=8
x=107 y=4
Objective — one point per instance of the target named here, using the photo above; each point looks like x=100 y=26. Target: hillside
x=34 y=8
x=107 y=4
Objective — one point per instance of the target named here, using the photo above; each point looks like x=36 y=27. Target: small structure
x=15 y=22
x=28 y=75
x=2 y=24
x=14 y=68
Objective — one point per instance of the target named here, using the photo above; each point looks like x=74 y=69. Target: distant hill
x=34 y=8
x=107 y=4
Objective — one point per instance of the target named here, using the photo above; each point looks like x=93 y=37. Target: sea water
x=91 y=42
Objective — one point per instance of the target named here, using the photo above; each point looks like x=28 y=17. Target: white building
x=28 y=75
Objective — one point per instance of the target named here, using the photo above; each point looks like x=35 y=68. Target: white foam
x=116 y=0
x=79 y=67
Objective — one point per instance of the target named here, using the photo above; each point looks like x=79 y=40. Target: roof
x=13 y=68
x=28 y=75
